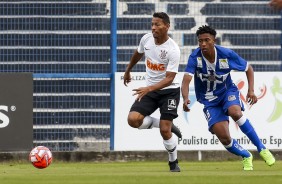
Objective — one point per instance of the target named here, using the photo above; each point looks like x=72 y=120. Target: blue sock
x=236 y=149
x=247 y=128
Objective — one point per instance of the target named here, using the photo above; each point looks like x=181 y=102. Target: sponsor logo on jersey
x=155 y=66
x=199 y=62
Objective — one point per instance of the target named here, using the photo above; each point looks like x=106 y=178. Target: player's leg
x=176 y=131
x=221 y=130
x=219 y=125
x=151 y=122
x=139 y=115
x=168 y=103
x=168 y=108
x=235 y=107
x=247 y=128
x=170 y=144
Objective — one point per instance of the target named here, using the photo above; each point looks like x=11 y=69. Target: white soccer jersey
x=159 y=59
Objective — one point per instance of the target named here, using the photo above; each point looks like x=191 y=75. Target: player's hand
x=251 y=98
x=185 y=105
x=140 y=92
x=126 y=78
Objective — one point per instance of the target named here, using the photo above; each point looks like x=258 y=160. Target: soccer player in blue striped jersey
x=211 y=65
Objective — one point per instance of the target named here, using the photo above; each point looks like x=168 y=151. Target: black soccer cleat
x=176 y=131
x=173 y=166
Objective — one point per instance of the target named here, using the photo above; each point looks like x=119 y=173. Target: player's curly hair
x=163 y=16
x=206 y=29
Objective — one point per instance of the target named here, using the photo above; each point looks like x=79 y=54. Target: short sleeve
x=174 y=59
x=191 y=65
x=237 y=62
x=140 y=48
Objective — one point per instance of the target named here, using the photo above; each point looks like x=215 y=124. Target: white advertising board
x=265 y=116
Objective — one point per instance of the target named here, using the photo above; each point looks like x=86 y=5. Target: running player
x=210 y=65
x=162 y=56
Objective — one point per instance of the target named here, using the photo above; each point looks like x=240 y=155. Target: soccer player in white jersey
x=162 y=91
x=211 y=65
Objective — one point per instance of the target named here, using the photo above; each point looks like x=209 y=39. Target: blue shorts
x=219 y=112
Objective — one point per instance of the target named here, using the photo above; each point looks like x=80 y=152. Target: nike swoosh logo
x=146 y=48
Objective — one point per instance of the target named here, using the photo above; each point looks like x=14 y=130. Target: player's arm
x=185 y=91
x=251 y=97
x=142 y=91
x=167 y=81
x=134 y=59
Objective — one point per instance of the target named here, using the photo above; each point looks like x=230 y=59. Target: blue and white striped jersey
x=213 y=79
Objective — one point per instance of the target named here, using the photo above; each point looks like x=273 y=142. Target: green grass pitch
x=140 y=173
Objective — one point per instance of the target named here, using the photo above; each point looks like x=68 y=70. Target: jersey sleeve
x=140 y=48
x=191 y=65
x=174 y=60
x=238 y=63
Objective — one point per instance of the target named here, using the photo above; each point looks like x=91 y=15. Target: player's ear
x=167 y=26
x=214 y=40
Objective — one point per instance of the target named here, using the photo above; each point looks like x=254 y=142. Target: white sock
x=229 y=145
x=150 y=122
x=171 y=146
x=241 y=121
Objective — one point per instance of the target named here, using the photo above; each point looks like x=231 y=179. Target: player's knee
x=236 y=114
x=225 y=140
x=134 y=121
x=165 y=132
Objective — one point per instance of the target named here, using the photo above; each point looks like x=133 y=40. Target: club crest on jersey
x=199 y=62
x=231 y=98
x=171 y=104
x=163 y=54
x=223 y=63
x=211 y=78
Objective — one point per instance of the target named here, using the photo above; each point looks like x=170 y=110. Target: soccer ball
x=40 y=157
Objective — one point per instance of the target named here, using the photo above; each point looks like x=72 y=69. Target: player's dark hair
x=163 y=16
x=206 y=29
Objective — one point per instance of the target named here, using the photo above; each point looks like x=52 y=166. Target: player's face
x=206 y=43
x=159 y=28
